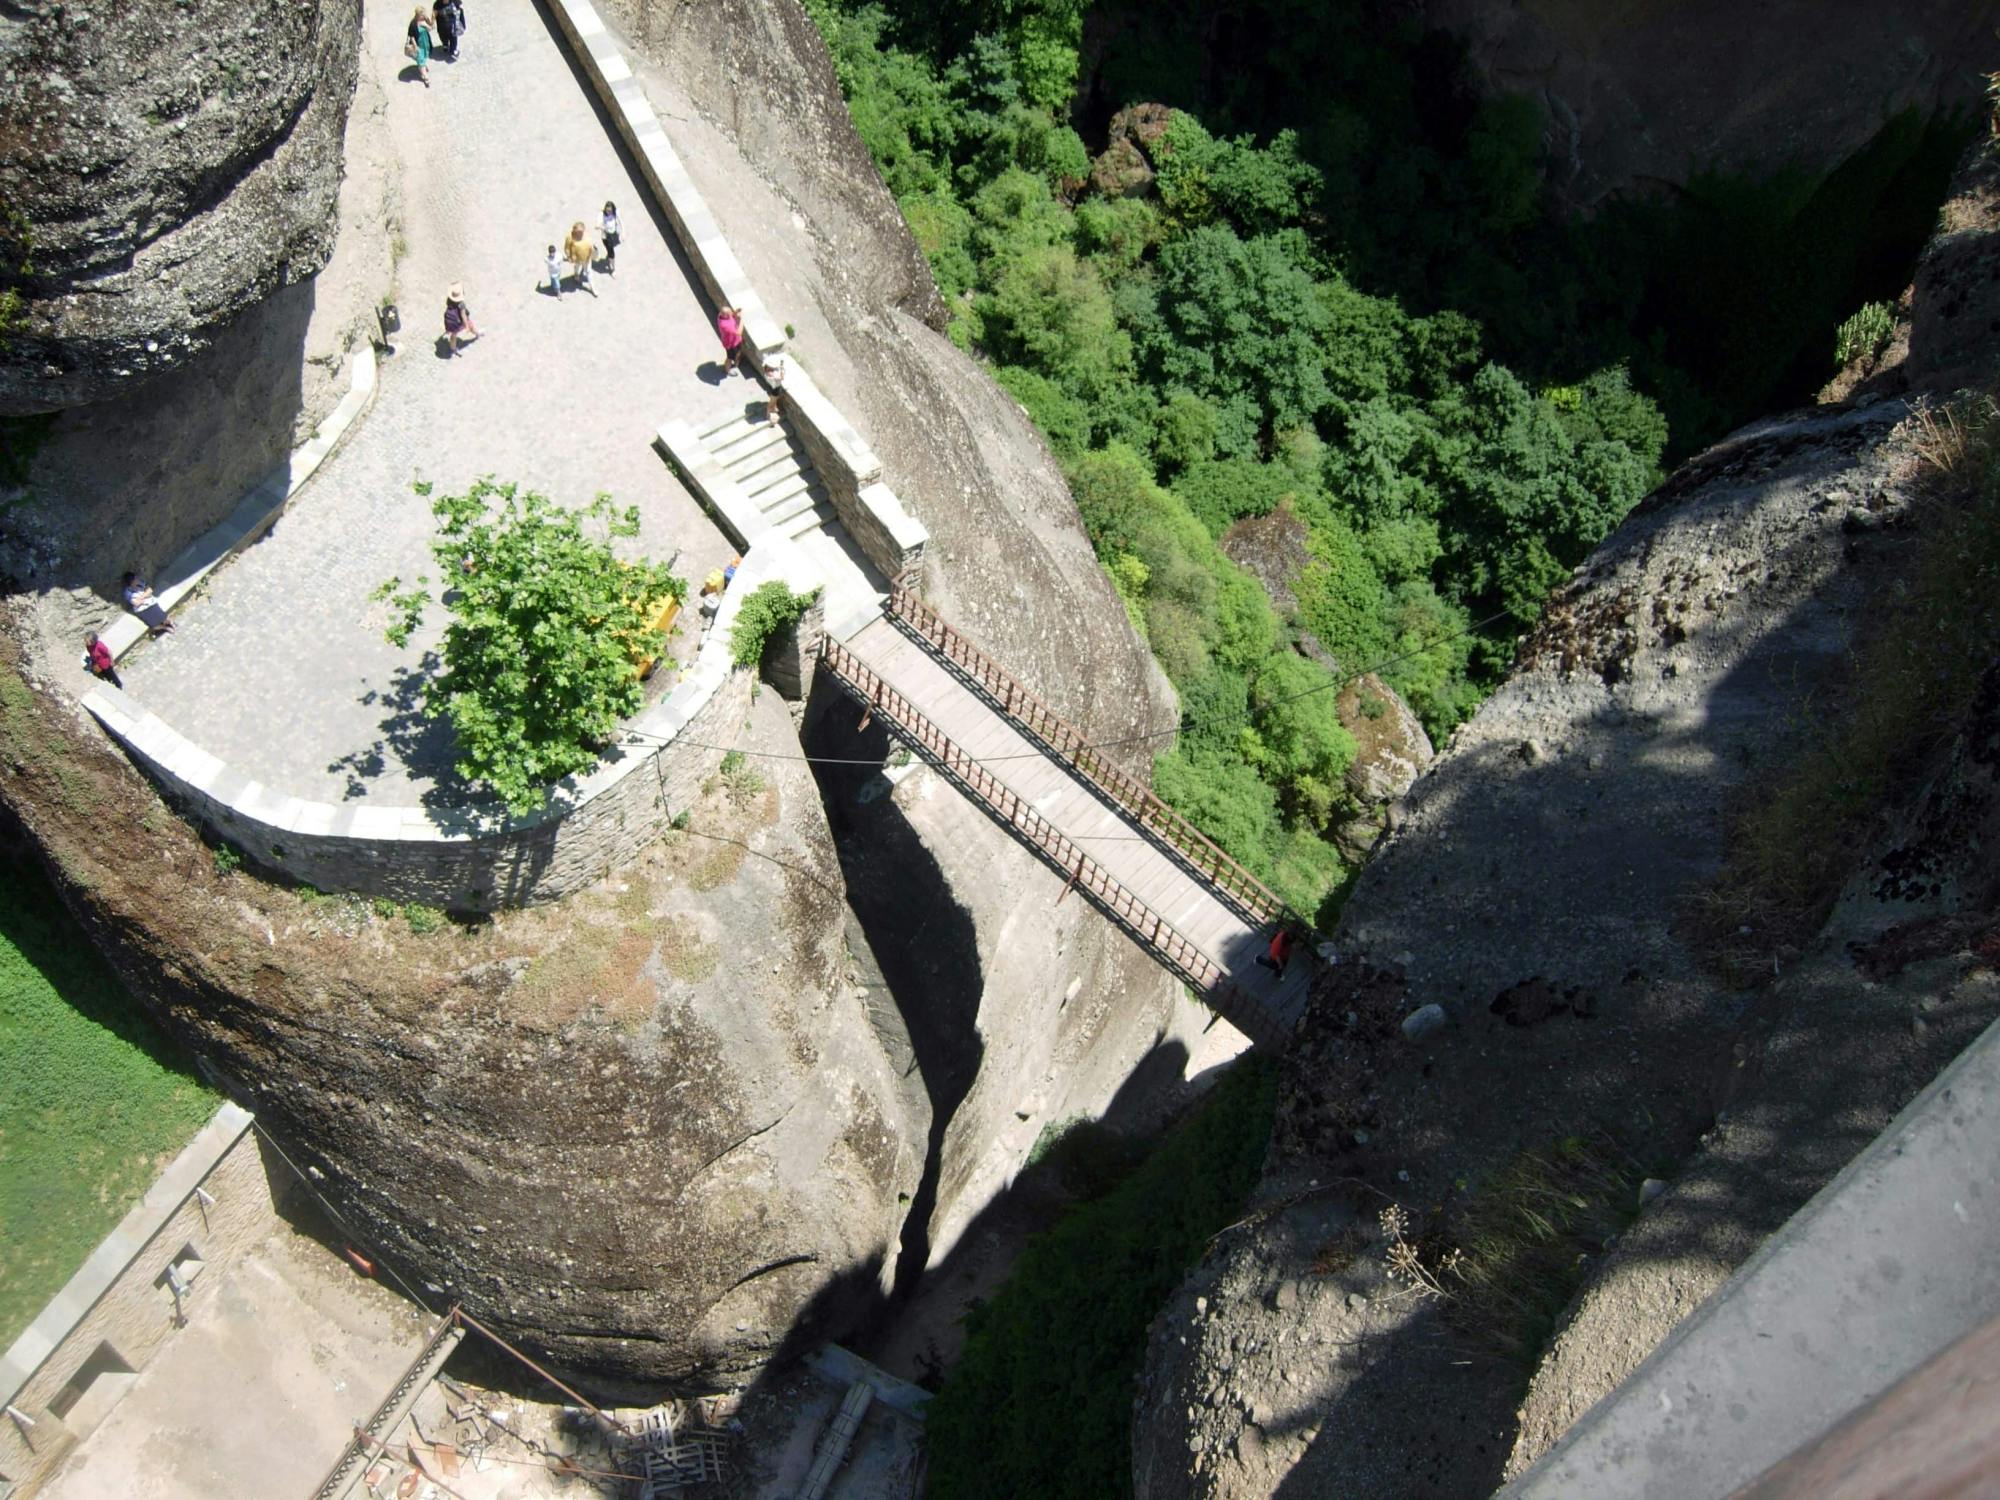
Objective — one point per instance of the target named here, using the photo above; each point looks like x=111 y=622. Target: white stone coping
x=261 y=815
x=1887 y=1265
x=810 y=408
x=842 y=1367
x=723 y=276
x=256 y=512
x=118 y=1249
x=704 y=472
x=660 y=166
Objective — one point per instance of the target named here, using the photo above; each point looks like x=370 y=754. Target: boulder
x=168 y=165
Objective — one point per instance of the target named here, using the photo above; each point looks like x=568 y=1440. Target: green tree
x=546 y=623
x=1297 y=738
x=1243 y=325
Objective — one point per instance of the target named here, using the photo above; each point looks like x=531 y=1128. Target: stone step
x=804 y=501
x=771 y=468
x=814 y=518
x=777 y=493
x=754 y=438
x=729 y=428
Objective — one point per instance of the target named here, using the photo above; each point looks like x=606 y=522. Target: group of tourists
x=435 y=32
x=579 y=253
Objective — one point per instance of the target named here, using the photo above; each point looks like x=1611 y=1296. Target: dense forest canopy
x=1236 y=259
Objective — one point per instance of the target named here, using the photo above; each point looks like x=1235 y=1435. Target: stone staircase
x=758 y=480
x=776 y=477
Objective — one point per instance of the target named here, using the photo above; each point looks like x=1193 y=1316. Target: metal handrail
x=1258 y=900
x=1105 y=890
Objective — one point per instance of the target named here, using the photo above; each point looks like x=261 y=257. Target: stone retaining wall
x=458 y=861
x=465 y=861
x=216 y=1200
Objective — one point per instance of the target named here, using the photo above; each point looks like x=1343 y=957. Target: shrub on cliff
x=771 y=609
x=546 y=624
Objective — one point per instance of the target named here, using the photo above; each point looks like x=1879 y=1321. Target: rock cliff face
x=649 y=1131
x=162 y=168
x=1639 y=95
x=601 y=1123
x=1041 y=1011
x=1535 y=905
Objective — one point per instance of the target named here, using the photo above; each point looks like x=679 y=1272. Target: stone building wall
x=216 y=1201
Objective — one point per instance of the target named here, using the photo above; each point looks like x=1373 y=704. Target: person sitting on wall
x=140 y=599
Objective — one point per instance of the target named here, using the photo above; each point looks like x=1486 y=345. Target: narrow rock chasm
x=922 y=945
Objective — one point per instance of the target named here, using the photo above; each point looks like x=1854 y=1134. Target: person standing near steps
x=729 y=328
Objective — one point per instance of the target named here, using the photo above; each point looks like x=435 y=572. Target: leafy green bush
x=1865 y=334
x=770 y=610
x=423 y=920
x=1067 y=1331
x=546 y=624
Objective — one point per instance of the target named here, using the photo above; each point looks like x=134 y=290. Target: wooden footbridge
x=1193 y=908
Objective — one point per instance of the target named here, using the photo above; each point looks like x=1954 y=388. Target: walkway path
x=1152 y=889
x=282 y=667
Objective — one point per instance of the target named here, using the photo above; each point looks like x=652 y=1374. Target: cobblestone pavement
x=280 y=666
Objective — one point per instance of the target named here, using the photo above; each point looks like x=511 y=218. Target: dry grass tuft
x=1908 y=684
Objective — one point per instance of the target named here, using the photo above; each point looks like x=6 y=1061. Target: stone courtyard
x=279 y=664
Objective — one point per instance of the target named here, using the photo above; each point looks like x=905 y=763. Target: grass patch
x=1910 y=681
x=29 y=746
x=93 y=1099
x=599 y=967
x=1041 y=1401
x=1525 y=1239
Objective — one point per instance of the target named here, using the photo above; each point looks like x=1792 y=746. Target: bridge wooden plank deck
x=1107 y=832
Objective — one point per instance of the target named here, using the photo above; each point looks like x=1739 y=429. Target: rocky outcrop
x=1527 y=983
x=166 y=167
x=649 y=1131
x=1124 y=168
x=1046 y=1008
x=1640 y=95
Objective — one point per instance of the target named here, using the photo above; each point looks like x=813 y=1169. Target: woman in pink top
x=729 y=324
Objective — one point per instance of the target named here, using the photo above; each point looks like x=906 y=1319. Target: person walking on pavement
x=418 y=48
x=729 y=327
x=610 y=233
x=579 y=252
x=98 y=658
x=451 y=28
x=458 y=324
x=554 y=266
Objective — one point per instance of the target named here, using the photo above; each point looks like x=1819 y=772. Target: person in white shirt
x=610 y=235
x=774 y=372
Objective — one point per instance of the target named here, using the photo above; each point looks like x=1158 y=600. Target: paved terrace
x=281 y=667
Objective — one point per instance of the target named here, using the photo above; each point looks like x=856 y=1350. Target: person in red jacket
x=1282 y=944
x=97 y=656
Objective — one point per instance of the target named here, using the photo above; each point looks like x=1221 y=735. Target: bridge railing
x=1249 y=894
x=1103 y=889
